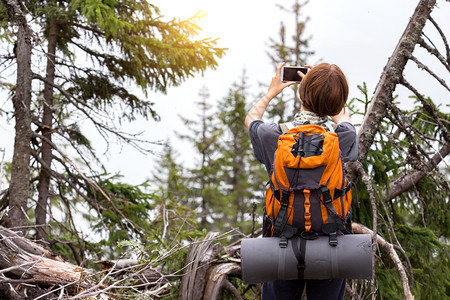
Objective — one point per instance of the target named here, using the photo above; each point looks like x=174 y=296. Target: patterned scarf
x=309 y=117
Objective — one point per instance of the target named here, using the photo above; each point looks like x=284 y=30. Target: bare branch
x=424 y=67
x=83 y=107
x=60 y=177
x=428 y=107
x=392 y=75
x=389 y=248
x=406 y=182
x=434 y=52
x=447 y=48
x=371 y=191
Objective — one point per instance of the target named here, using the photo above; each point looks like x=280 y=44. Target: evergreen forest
x=72 y=229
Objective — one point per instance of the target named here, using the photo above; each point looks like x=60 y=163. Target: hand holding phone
x=289 y=73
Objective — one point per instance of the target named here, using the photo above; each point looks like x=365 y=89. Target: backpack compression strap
x=282 y=217
x=334 y=220
x=299 y=247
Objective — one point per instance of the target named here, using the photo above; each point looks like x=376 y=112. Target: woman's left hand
x=276 y=86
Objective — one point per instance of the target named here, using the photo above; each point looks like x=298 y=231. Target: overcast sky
x=357 y=35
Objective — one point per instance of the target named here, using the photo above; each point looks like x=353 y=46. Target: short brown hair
x=324 y=90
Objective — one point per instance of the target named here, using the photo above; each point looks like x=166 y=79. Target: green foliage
x=420 y=216
x=123 y=210
x=172 y=199
x=242 y=176
x=204 y=134
x=430 y=260
x=294 y=52
x=100 y=93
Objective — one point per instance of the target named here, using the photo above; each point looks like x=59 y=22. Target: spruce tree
x=97 y=55
x=203 y=133
x=293 y=52
x=171 y=197
x=243 y=177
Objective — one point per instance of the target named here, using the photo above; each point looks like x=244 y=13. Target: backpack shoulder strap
x=285 y=127
x=328 y=126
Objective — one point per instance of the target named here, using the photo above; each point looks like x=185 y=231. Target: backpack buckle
x=326 y=194
x=284 y=199
x=333 y=239
x=283 y=242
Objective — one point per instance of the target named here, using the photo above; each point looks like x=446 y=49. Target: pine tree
x=242 y=177
x=296 y=54
x=204 y=180
x=171 y=197
x=93 y=51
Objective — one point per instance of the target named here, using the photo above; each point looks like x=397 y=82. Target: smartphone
x=289 y=73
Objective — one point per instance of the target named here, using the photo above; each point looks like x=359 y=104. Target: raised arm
x=276 y=86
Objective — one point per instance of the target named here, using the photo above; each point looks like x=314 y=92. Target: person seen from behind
x=323 y=92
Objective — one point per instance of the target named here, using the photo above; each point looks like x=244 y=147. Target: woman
x=323 y=91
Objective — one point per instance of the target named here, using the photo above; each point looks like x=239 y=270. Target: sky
x=357 y=35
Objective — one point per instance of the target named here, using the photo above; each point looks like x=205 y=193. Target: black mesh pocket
x=308 y=145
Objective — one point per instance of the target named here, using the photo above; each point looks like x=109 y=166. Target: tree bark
x=47 y=122
x=392 y=75
x=19 y=188
x=406 y=182
x=218 y=280
x=198 y=261
x=21 y=258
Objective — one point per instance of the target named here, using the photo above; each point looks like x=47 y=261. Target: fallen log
x=218 y=280
x=28 y=269
x=24 y=259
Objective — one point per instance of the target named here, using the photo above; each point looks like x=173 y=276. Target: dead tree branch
x=389 y=248
x=24 y=259
x=198 y=262
x=392 y=75
x=406 y=182
x=434 y=52
x=424 y=67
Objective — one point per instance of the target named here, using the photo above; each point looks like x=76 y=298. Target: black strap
x=299 y=247
x=325 y=194
x=282 y=217
x=332 y=241
x=339 y=193
x=333 y=217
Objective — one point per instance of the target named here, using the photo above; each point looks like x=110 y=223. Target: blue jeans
x=329 y=289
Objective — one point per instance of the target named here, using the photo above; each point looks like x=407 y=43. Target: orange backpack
x=309 y=193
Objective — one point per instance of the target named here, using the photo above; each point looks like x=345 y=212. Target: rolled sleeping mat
x=262 y=259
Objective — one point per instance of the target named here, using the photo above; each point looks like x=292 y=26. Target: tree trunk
x=217 y=281
x=46 y=148
x=28 y=267
x=21 y=258
x=198 y=261
x=392 y=75
x=19 y=189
